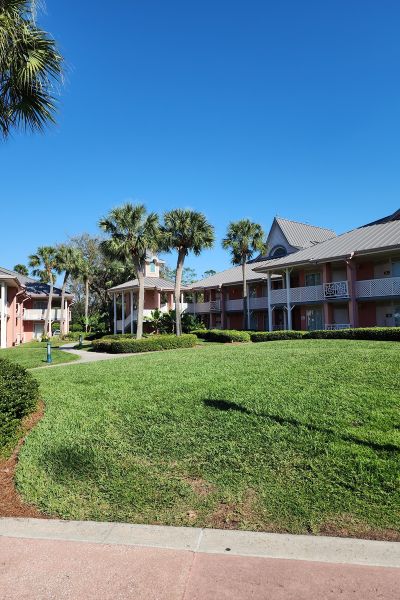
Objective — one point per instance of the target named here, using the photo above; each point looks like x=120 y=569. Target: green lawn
x=33 y=354
x=299 y=436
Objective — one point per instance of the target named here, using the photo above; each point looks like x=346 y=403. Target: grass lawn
x=33 y=354
x=299 y=436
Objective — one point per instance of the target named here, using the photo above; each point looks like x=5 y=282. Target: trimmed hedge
x=222 y=335
x=389 y=334
x=19 y=394
x=150 y=344
x=270 y=336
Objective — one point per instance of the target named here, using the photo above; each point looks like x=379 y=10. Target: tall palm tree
x=44 y=265
x=30 y=69
x=132 y=232
x=185 y=231
x=243 y=239
x=68 y=262
x=21 y=269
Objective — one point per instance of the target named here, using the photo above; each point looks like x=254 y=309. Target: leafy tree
x=69 y=260
x=208 y=273
x=132 y=233
x=21 y=269
x=189 y=275
x=165 y=322
x=30 y=69
x=44 y=265
x=185 y=231
x=243 y=239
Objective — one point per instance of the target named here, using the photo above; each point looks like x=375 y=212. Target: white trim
x=3 y=313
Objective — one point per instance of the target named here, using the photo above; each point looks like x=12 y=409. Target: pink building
x=23 y=304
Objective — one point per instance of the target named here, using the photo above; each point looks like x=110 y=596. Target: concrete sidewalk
x=47 y=559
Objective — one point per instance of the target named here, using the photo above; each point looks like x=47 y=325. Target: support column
x=115 y=313
x=269 y=301
x=223 y=316
x=353 y=306
x=248 y=307
x=3 y=318
x=66 y=317
x=288 y=306
x=123 y=312
x=131 y=312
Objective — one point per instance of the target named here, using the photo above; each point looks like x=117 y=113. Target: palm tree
x=68 y=262
x=132 y=233
x=243 y=239
x=185 y=231
x=44 y=265
x=21 y=269
x=30 y=69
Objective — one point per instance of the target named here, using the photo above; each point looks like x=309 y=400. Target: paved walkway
x=65 y=560
x=85 y=356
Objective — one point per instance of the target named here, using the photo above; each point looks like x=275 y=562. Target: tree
x=189 y=275
x=243 y=239
x=185 y=231
x=44 y=265
x=132 y=233
x=30 y=69
x=208 y=273
x=21 y=269
x=68 y=262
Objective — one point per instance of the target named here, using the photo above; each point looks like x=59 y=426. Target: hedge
x=149 y=344
x=222 y=335
x=270 y=336
x=19 y=394
x=390 y=334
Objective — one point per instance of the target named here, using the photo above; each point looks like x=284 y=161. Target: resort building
x=23 y=305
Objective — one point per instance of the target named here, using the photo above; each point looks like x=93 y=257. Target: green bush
x=125 y=344
x=270 y=336
x=19 y=393
x=222 y=335
x=390 y=334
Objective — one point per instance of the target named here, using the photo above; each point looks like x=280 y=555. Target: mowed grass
x=298 y=436
x=33 y=354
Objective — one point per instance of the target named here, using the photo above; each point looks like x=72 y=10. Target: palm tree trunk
x=86 y=305
x=177 y=292
x=47 y=322
x=140 y=308
x=245 y=299
x=62 y=311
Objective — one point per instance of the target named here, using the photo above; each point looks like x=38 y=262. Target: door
x=38 y=329
x=314 y=318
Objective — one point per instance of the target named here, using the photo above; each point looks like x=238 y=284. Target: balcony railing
x=231 y=305
x=39 y=314
x=336 y=289
x=215 y=305
x=335 y=326
x=375 y=288
x=309 y=293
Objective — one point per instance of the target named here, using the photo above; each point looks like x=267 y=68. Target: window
x=152 y=268
x=313 y=279
x=277 y=252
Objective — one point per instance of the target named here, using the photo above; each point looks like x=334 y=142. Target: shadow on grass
x=227 y=405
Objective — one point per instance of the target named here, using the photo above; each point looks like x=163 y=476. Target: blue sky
x=237 y=109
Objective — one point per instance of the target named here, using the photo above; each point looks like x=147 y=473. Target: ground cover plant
x=18 y=397
x=33 y=354
x=299 y=436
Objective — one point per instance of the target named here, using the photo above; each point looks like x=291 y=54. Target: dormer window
x=277 y=252
x=152 y=268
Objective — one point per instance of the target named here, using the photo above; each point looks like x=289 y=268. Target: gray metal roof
x=149 y=283
x=358 y=241
x=32 y=286
x=303 y=235
x=229 y=276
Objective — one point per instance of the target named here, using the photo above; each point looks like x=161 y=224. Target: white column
x=269 y=301
x=288 y=306
x=115 y=313
x=132 y=312
x=3 y=318
x=123 y=312
x=248 y=306
x=65 y=325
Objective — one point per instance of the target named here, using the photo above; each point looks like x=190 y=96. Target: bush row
x=19 y=394
x=222 y=335
x=270 y=336
x=123 y=345
x=391 y=334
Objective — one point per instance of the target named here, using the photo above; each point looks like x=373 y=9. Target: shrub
x=19 y=393
x=125 y=344
x=222 y=335
x=270 y=336
x=390 y=334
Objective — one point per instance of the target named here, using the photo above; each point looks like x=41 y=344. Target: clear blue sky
x=238 y=109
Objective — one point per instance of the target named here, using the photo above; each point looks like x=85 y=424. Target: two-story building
x=23 y=306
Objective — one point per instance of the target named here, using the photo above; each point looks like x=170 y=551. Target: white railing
x=234 y=304
x=370 y=288
x=198 y=307
x=334 y=326
x=278 y=296
x=258 y=303
x=39 y=314
x=215 y=305
x=309 y=293
x=336 y=289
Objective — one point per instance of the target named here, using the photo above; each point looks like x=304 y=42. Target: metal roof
x=229 y=276
x=303 y=235
x=32 y=286
x=358 y=241
x=149 y=283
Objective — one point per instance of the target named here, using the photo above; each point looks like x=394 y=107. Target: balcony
x=337 y=326
x=232 y=305
x=39 y=314
x=298 y=295
x=336 y=289
x=378 y=288
x=202 y=307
